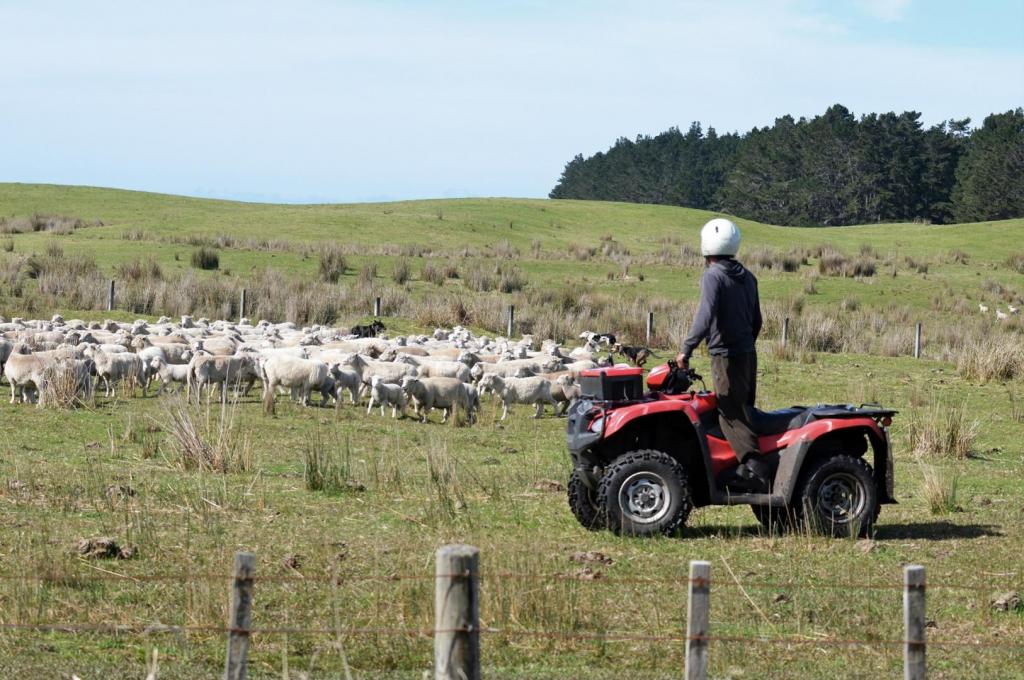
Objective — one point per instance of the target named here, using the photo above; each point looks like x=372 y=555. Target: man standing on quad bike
x=729 y=318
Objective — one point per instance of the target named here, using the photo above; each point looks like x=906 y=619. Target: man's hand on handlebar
x=682 y=361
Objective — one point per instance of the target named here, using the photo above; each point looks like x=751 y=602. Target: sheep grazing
x=1013 y=310
x=982 y=308
x=430 y=393
x=532 y=390
x=386 y=394
x=300 y=375
x=1001 y=315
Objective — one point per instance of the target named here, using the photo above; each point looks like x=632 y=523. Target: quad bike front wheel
x=644 y=493
x=837 y=496
x=583 y=503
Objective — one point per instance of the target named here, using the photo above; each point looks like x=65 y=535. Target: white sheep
x=117 y=367
x=1013 y=310
x=1001 y=315
x=386 y=394
x=431 y=368
x=206 y=370
x=300 y=375
x=168 y=373
x=564 y=390
x=23 y=370
x=441 y=393
x=982 y=308
x=532 y=390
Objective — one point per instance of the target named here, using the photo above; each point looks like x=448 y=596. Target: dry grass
x=205 y=258
x=943 y=430
x=332 y=264
x=940 y=489
x=212 y=441
x=992 y=357
x=1016 y=262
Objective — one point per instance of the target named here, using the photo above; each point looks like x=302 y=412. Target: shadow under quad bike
x=643 y=460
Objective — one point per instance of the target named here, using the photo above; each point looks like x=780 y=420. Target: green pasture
x=346 y=562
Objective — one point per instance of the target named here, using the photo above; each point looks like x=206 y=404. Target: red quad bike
x=643 y=461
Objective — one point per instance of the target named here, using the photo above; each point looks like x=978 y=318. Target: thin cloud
x=885 y=10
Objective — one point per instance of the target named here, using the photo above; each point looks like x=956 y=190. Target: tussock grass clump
x=8 y=245
x=139 y=270
x=480 y=278
x=61 y=388
x=431 y=274
x=768 y=259
x=367 y=273
x=992 y=357
x=957 y=256
x=1016 y=262
x=402 y=272
x=940 y=490
x=834 y=263
x=55 y=224
x=512 y=280
x=205 y=258
x=943 y=430
x=212 y=441
x=321 y=472
x=332 y=264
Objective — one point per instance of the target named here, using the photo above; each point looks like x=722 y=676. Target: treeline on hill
x=833 y=169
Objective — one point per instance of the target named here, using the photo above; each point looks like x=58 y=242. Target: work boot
x=756 y=473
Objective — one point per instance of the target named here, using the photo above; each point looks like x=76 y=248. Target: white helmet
x=719 y=237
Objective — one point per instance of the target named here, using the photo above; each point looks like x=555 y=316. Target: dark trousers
x=735 y=381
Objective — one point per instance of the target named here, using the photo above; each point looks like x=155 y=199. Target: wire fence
x=458 y=625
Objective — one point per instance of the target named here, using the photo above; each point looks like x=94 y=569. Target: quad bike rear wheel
x=644 y=493
x=583 y=503
x=837 y=496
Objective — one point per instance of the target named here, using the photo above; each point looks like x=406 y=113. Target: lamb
x=1001 y=315
x=386 y=394
x=532 y=390
x=118 y=367
x=982 y=308
x=294 y=373
x=442 y=393
x=168 y=373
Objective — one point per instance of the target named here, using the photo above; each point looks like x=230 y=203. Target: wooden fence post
x=240 y=617
x=785 y=331
x=697 y=620
x=917 y=340
x=241 y=307
x=913 y=619
x=110 y=297
x=650 y=327
x=457 y=613
x=376 y=307
x=511 y=320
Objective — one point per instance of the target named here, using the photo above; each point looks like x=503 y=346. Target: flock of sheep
x=447 y=371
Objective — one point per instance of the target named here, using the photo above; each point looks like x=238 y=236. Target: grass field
x=65 y=474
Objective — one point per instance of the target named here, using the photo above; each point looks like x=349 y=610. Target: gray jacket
x=729 y=315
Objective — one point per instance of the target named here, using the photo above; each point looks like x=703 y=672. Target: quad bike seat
x=777 y=422
x=767 y=422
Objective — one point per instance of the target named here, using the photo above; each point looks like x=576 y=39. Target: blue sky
x=309 y=101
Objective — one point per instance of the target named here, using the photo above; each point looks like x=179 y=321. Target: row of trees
x=832 y=169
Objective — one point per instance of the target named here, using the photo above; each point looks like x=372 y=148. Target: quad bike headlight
x=597 y=425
